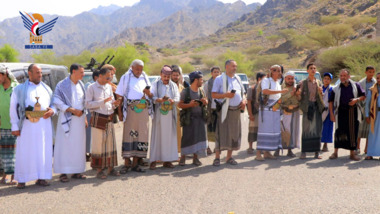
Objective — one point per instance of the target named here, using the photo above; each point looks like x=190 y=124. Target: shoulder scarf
x=227 y=103
x=63 y=92
x=126 y=79
x=337 y=91
x=373 y=106
x=21 y=92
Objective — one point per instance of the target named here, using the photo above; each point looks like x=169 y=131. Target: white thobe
x=70 y=150
x=163 y=145
x=35 y=144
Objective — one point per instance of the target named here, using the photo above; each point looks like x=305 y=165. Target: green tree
x=358 y=22
x=264 y=62
x=330 y=19
x=339 y=32
x=273 y=39
x=8 y=54
x=244 y=64
x=46 y=57
x=356 y=57
x=288 y=34
x=322 y=36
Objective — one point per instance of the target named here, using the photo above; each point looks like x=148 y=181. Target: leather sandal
x=152 y=166
x=333 y=156
x=63 y=178
x=42 y=183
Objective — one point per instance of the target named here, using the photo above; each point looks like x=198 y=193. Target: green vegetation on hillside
x=8 y=54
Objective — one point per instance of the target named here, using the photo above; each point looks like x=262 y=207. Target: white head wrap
x=290 y=73
x=5 y=70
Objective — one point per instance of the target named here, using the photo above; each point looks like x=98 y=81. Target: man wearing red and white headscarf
x=163 y=144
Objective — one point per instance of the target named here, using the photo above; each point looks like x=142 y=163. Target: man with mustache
x=347 y=116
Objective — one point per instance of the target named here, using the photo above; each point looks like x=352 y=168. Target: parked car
x=302 y=74
x=87 y=77
x=244 y=80
x=153 y=78
x=186 y=78
x=51 y=75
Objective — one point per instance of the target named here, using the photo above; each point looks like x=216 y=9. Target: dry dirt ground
x=286 y=185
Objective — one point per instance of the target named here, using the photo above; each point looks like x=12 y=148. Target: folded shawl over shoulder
x=373 y=106
x=227 y=103
x=63 y=92
x=126 y=80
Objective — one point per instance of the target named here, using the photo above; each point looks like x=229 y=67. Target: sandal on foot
x=303 y=155
x=250 y=151
x=196 y=162
x=137 y=169
x=291 y=154
x=354 y=158
x=276 y=153
x=216 y=162
x=168 y=165
x=269 y=156
x=209 y=152
x=114 y=172
x=368 y=158
x=259 y=158
x=3 y=181
x=317 y=156
x=231 y=161
x=78 y=176
x=42 y=183
x=182 y=161
x=101 y=175
x=20 y=186
x=63 y=178
x=124 y=169
x=141 y=162
x=333 y=156
x=12 y=182
x=152 y=166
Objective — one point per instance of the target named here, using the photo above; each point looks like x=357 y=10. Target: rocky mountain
x=255 y=28
x=197 y=20
x=71 y=35
x=105 y=10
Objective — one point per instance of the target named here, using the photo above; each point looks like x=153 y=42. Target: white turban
x=290 y=73
x=6 y=71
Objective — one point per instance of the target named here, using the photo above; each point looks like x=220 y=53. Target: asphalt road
x=286 y=185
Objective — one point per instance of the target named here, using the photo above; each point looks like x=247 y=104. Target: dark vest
x=304 y=103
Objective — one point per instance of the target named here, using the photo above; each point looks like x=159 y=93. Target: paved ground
x=287 y=185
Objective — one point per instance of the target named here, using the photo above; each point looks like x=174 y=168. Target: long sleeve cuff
x=15 y=127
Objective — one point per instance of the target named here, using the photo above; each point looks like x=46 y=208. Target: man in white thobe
x=70 y=144
x=34 y=138
x=164 y=125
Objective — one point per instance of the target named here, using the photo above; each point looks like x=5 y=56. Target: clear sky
x=67 y=7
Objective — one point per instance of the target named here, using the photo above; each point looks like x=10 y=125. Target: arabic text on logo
x=32 y=24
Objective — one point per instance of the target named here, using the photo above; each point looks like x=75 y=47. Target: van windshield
x=243 y=77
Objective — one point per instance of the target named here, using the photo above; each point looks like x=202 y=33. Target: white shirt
x=232 y=84
x=136 y=86
x=274 y=85
x=77 y=98
x=95 y=96
x=33 y=91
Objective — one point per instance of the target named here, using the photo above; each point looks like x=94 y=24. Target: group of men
x=275 y=114
x=182 y=118
x=179 y=118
